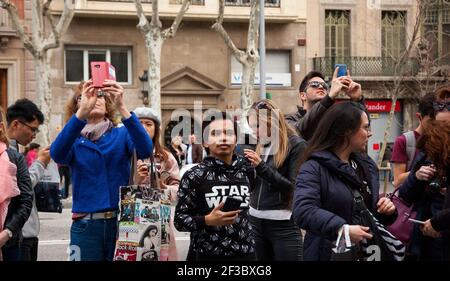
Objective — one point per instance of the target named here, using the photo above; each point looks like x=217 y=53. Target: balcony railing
x=193 y=2
x=367 y=66
x=143 y=1
x=269 y=3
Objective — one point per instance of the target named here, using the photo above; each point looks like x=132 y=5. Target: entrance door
x=3 y=87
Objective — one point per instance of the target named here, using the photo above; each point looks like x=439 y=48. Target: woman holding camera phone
x=98 y=154
x=276 y=164
x=164 y=165
x=428 y=188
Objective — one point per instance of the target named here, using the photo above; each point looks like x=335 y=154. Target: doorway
x=3 y=88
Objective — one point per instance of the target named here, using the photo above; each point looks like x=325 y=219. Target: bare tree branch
x=170 y=32
x=253 y=31
x=143 y=24
x=63 y=24
x=18 y=26
x=221 y=12
x=155 y=15
x=47 y=14
x=217 y=26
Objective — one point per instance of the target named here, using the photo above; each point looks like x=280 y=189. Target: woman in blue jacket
x=334 y=163
x=98 y=154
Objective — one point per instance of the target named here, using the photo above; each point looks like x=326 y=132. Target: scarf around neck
x=95 y=131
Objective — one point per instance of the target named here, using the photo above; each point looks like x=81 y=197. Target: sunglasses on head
x=317 y=84
x=261 y=105
x=440 y=106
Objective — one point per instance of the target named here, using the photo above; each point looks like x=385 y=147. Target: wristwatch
x=9 y=232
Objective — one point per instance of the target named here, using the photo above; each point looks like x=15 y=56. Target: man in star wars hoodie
x=216 y=234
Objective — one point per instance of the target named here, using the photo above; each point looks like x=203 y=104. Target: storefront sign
x=381 y=106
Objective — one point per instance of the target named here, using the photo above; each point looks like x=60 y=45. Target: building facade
x=370 y=36
x=196 y=65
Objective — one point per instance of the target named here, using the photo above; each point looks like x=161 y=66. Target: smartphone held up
x=342 y=69
x=101 y=71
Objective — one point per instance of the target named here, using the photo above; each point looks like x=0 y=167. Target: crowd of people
x=303 y=181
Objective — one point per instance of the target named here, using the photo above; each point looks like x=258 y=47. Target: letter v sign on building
x=379 y=113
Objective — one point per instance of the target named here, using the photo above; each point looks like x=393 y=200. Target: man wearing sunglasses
x=23 y=121
x=317 y=96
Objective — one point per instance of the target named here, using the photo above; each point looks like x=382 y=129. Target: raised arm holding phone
x=99 y=155
x=317 y=97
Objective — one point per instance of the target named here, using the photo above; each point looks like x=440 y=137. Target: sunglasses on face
x=100 y=94
x=317 y=84
x=440 y=106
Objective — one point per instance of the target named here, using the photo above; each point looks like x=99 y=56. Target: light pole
x=262 y=51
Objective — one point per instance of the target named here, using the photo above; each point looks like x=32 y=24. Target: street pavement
x=55 y=234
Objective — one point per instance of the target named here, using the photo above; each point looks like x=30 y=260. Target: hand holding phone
x=342 y=69
x=231 y=204
x=101 y=71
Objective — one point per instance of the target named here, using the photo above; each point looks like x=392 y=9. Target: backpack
x=410 y=148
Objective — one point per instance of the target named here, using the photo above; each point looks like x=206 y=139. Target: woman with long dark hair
x=333 y=166
x=276 y=163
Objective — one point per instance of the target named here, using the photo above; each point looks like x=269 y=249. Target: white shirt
x=189 y=155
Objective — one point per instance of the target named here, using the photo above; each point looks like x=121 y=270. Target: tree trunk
x=154 y=42
x=44 y=93
x=387 y=131
x=248 y=81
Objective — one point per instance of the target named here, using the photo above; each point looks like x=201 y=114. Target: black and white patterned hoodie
x=204 y=187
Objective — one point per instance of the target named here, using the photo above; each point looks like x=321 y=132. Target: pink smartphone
x=101 y=71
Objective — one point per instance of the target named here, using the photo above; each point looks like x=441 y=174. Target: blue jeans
x=277 y=240
x=93 y=240
x=11 y=253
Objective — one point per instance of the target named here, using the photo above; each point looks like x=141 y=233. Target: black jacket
x=428 y=205
x=204 y=187
x=323 y=201
x=19 y=208
x=305 y=122
x=274 y=187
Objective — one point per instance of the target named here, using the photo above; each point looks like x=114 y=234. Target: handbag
x=48 y=197
x=144 y=221
x=344 y=250
x=402 y=228
x=383 y=245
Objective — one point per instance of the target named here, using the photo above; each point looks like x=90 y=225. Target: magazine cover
x=128 y=232
x=149 y=211
x=149 y=242
x=144 y=224
x=126 y=251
